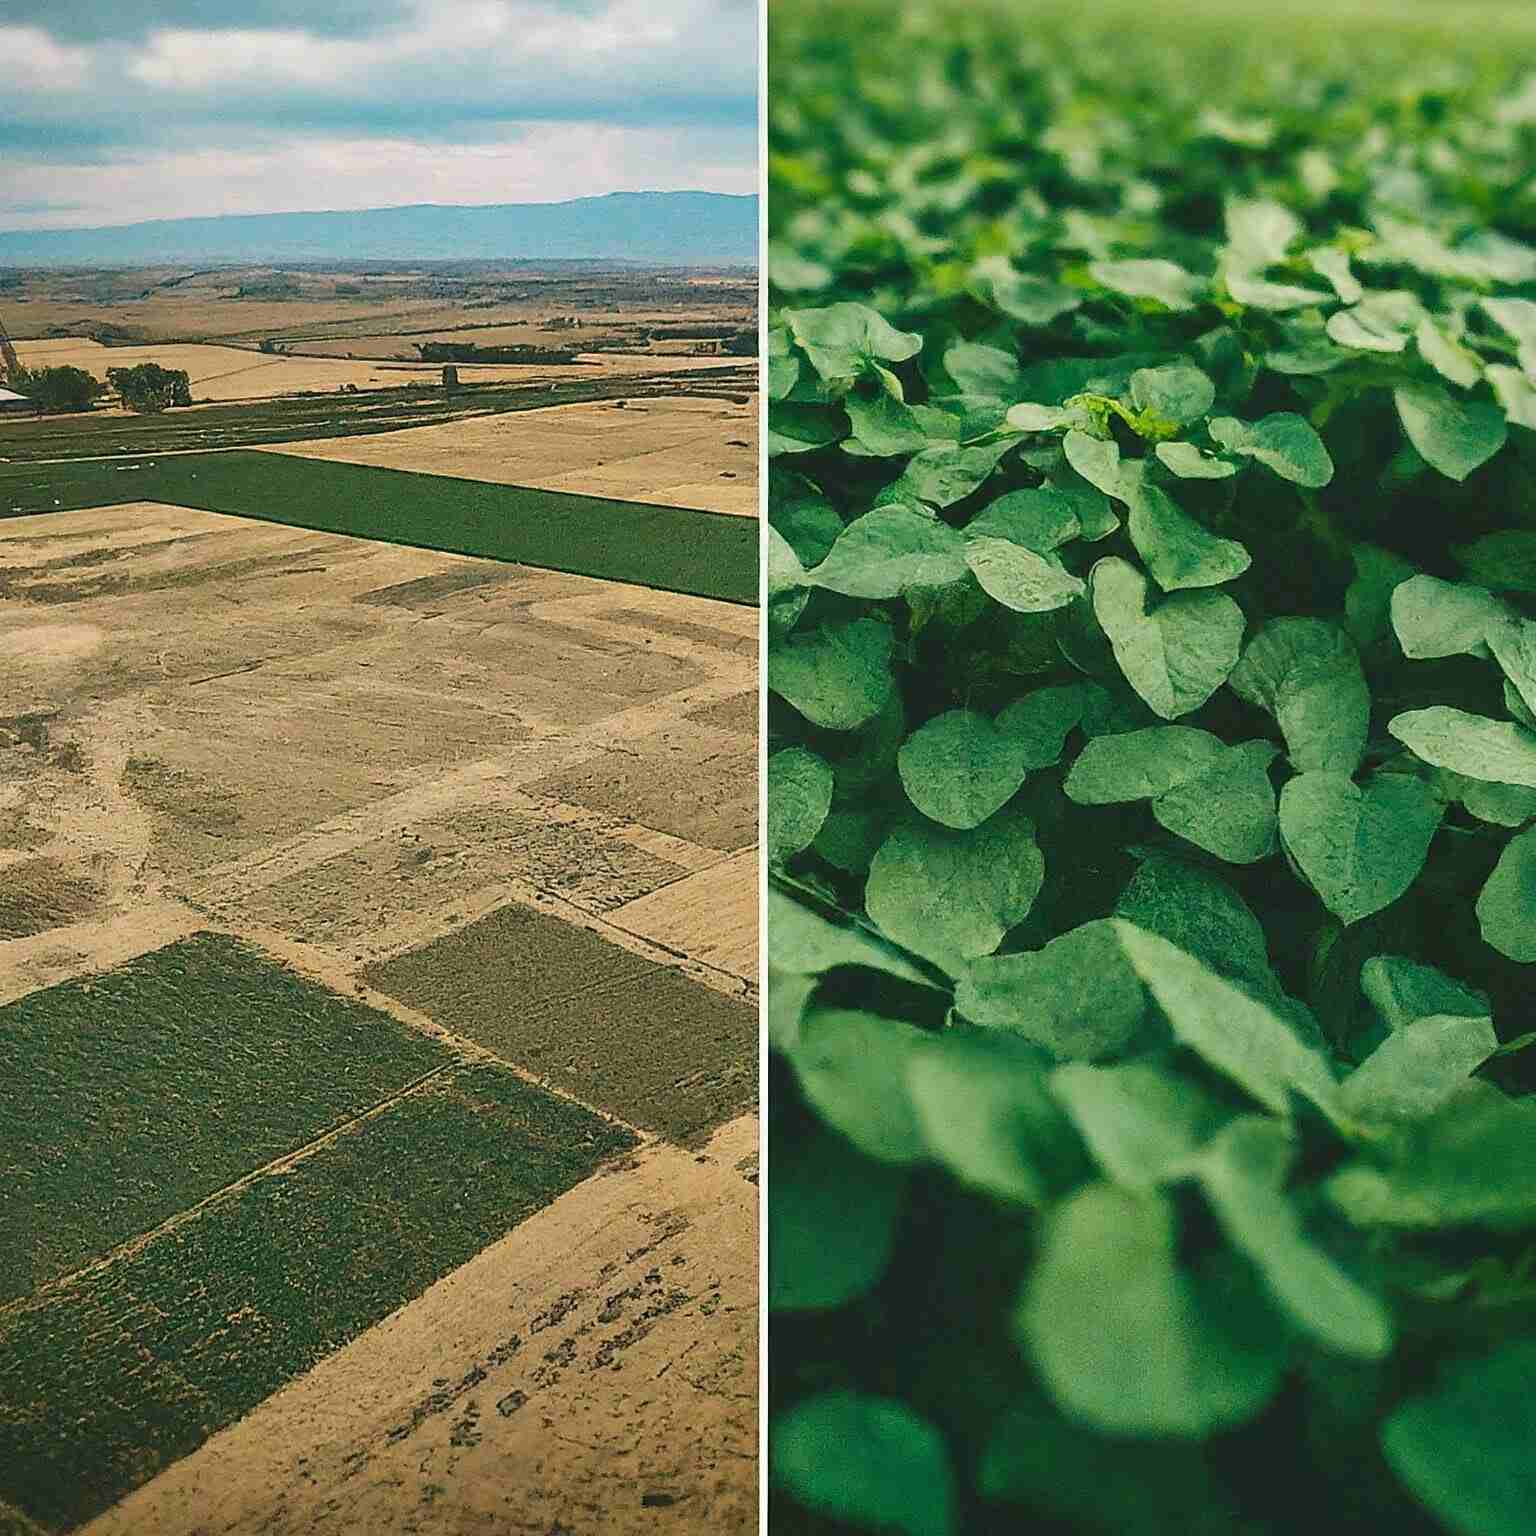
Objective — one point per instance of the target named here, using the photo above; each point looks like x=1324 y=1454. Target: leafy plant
x=1152 y=778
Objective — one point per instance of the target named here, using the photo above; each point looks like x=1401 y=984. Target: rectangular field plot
x=642 y=1040
x=110 y=1377
x=132 y=1095
x=707 y=554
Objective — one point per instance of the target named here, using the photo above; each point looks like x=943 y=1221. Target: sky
x=119 y=110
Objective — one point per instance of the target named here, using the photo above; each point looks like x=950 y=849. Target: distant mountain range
x=678 y=229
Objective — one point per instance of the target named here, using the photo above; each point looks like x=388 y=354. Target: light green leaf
x=1177 y=550
x=1514 y=648
x=1402 y=990
x=1448 y=358
x=1417 y=1068
x=832 y=1221
x=1139 y=765
x=883 y=426
x=1306 y=673
x=867 y=1460
x=1190 y=462
x=887 y=551
x=843 y=340
x=1435 y=618
x=1504 y=805
x=1259 y=231
x=1243 y=1172
x=1469 y=1164
x=960 y=767
x=1142 y=1123
x=1077 y=997
x=1359 y=846
x=989 y=1118
x=1380 y=322
x=1515 y=391
x=1028 y=417
x=1506 y=908
x=1030 y=299
x=1455 y=436
x=1229 y=808
x=838 y=675
x=787 y=593
x=1096 y=459
x=1464 y=1448
x=1258 y=293
x=1179 y=391
x=946 y=473
x=852 y=1070
x=1240 y=1036
x=1330 y=262
x=799 y=797
x=802 y=942
x=1149 y=278
x=1176 y=654
x=951 y=896
x=1131 y=1343
x=1020 y=579
x=1493 y=750
x=1041 y=519
x=1282 y=441
x=981 y=370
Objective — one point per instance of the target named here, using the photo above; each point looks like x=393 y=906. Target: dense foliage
x=1152 y=775
x=60 y=390
x=149 y=389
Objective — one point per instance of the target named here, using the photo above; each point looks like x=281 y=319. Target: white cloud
x=35 y=62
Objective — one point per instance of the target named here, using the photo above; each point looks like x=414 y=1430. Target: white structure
x=12 y=404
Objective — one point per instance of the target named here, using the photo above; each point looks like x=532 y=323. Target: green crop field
x=158 y=1091
x=674 y=549
x=1152 y=774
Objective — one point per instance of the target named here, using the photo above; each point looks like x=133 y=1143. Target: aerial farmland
x=378 y=950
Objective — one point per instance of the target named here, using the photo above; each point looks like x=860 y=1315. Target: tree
x=57 y=390
x=149 y=388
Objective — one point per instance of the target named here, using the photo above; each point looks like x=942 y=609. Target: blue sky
x=117 y=110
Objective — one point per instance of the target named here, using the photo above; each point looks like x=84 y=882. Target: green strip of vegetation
x=108 y=1379
x=703 y=554
x=133 y=1095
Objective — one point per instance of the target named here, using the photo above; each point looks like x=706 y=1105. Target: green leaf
x=980 y=370
x=1041 y=519
x=1229 y=808
x=1178 y=391
x=1284 y=442
x=1096 y=459
x=1240 y=1036
x=799 y=797
x=1464 y=1448
x=951 y=896
x=1452 y=435
x=1021 y=296
x=1259 y=231
x=1306 y=673
x=1359 y=846
x=867 y=1460
x=1505 y=561
x=1368 y=602
x=989 y=1118
x=947 y=473
x=1417 y=1068
x=838 y=675
x=1077 y=997
x=1139 y=765
x=1506 y=907
x=1514 y=648
x=1176 y=654
x=1380 y=322
x=1402 y=990
x=961 y=767
x=1493 y=750
x=802 y=942
x=1176 y=549
x=1131 y=1343
x=852 y=1070
x=1149 y=278
x=843 y=340
x=1143 y=1123
x=1329 y=262
x=887 y=551
x=1434 y=618
x=801 y=427
x=832 y=1221
x=1516 y=394
x=787 y=594
x=883 y=426
x=1505 y=805
x=1467 y=1165
x=1020 y=579
x=1448 y=358
x=1243 y=1173
x=1190 y=462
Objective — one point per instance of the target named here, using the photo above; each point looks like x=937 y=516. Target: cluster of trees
x=468 y=352
x=55 y=391
x=149 y=388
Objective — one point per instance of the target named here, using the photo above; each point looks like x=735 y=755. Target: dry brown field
x=677 y=453
x=357 y=757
